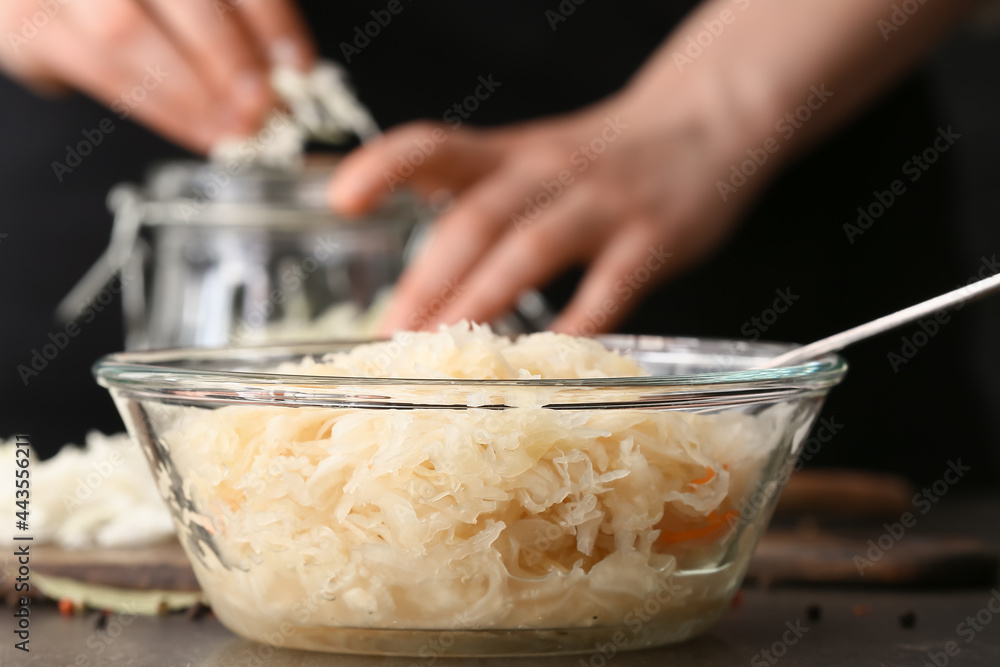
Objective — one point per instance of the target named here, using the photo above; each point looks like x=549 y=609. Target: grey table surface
x=839 y=637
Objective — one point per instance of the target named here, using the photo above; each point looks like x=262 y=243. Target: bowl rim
x=149 y=369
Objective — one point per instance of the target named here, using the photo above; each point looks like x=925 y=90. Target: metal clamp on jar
x=211 y=258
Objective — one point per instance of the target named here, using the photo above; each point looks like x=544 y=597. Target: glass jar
x=213 y=256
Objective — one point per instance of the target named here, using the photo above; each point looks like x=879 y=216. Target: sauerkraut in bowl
x=462 y=493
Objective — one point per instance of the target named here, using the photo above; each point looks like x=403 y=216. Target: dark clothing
x=909 y=416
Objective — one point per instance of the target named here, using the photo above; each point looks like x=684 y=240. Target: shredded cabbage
x=523 y=517
x=470 y=351
x=344 y=320
x=98 y=495
x=322 y=105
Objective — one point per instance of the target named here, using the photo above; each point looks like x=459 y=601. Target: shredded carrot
x=707 y=478
x=715 y=523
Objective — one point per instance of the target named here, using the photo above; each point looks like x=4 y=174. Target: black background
x=941 y=405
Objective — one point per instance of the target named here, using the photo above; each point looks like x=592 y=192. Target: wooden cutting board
x=163 y=566
x=785 y=558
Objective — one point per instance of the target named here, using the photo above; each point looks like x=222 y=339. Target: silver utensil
x=841 y=340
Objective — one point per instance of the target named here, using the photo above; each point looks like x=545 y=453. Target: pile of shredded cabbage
x=462 y=518
x=473 y=352
x=98 y=495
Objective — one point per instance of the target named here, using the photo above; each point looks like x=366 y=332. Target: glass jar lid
x=205 y=193
x=234 y=195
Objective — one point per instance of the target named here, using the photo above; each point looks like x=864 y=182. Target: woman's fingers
x=279 y=29
x=193 y=70
x=424 y=156
x=223 y=52
x=536 y=202
x=137 y=73
x=632 y=263
x=529 y=255
x=459 y=239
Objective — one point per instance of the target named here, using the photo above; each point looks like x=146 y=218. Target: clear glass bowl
x=440 y=518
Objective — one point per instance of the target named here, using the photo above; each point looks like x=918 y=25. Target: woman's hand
x=646 y=183
x=627 y=187
x=193 y=70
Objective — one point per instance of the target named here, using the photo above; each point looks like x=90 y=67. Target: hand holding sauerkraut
x=466 y=518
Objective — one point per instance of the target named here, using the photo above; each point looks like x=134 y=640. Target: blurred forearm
x=757 y=60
